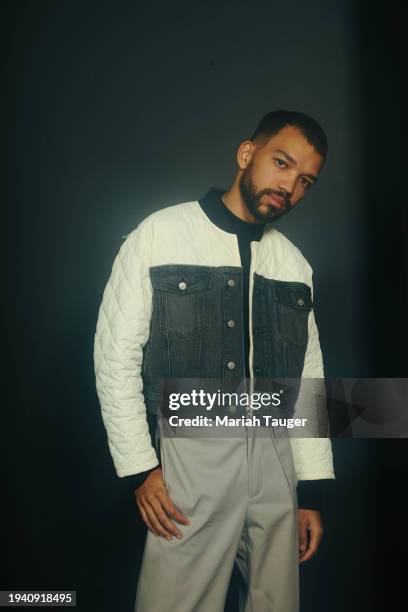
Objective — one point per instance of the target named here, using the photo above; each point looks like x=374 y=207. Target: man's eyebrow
x=311 y=176
x=293 y=161
x=288 y=157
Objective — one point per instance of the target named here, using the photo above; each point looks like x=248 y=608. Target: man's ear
x=244 y=154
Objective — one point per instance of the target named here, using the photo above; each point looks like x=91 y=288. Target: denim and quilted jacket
x=173 y=308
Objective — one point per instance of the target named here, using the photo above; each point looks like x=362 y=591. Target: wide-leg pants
x=239 y=494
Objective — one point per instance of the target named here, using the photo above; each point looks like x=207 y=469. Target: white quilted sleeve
x=122 y=330
x=313 y=457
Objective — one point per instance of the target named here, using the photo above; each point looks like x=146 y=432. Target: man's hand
x=309 y=520
x=156 y=507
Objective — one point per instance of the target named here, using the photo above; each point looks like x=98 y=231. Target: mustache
x=280 y=194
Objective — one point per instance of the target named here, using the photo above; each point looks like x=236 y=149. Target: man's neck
x=234 y=202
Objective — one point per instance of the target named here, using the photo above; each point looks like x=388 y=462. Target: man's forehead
x=290 y=141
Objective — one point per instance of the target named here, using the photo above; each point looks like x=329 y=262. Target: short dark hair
x=274 y=121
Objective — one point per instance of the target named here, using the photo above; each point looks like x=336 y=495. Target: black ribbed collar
x=220 y=215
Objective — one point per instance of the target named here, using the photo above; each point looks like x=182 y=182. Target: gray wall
x=118 y=109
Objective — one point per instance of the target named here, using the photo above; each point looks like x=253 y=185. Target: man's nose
x=287 y=184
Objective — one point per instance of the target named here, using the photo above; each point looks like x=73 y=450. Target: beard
x=252 y=199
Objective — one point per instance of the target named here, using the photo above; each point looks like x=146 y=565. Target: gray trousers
x=239 y=494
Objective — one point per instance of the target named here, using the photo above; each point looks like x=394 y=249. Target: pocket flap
x=182 y=280
x=298 y=297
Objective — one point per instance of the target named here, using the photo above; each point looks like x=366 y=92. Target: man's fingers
x=172 y=511
x=302 y=537
x=163 y=519
x=146 y=519
x=156 y=507
x=315 y=537
x=157 y=526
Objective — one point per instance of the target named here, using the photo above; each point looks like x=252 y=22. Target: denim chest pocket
x=181 y=302
x=293 y=305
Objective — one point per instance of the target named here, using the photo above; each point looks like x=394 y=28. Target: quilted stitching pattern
x=121 y=332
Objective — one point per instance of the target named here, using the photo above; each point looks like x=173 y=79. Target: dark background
x=114 y=110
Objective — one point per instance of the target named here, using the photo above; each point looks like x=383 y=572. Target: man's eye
x=279 y=162
x=305 y=183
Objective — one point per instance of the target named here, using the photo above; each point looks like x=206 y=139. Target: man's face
x=279 y=174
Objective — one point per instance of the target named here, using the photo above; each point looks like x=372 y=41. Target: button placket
x=232 y=314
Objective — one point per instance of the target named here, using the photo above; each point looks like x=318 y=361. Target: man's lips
x=277 y=200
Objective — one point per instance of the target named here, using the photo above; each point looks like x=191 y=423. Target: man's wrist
x=138 y=479
x=311 y=493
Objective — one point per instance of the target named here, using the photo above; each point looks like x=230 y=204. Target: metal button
x=231 y=323
x=231 y=365
x=301 y=301
x=182 y=285
x=231 y=282
x=258 y=370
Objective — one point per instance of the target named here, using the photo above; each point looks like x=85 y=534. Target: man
x=210 y=289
